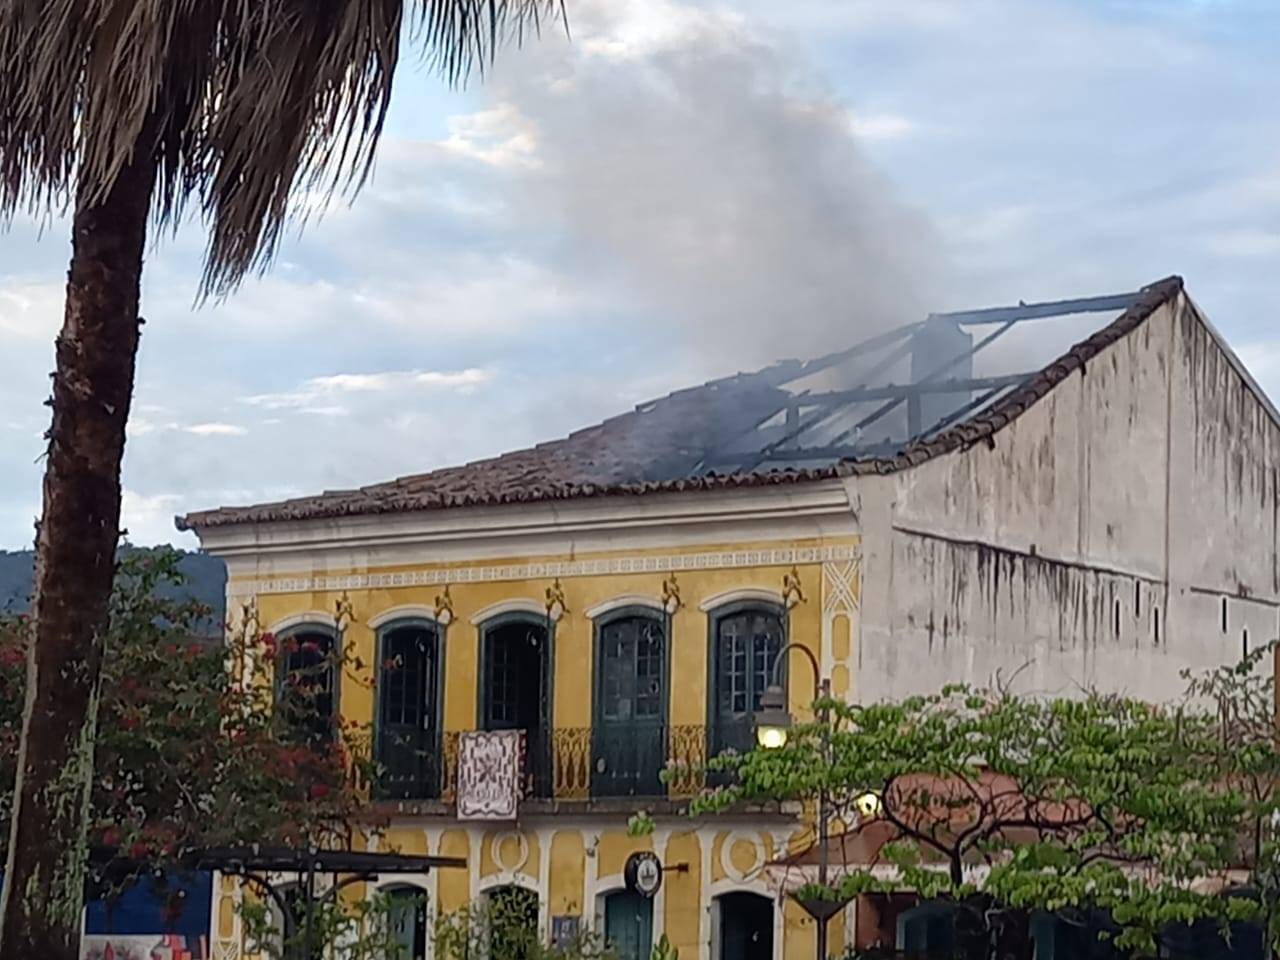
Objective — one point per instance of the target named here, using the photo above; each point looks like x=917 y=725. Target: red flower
x=110 y=836
x=310 y=646
x=319 y=791
x=138 y=850
x=11 y=656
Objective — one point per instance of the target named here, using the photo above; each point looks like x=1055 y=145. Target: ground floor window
x=628 y=925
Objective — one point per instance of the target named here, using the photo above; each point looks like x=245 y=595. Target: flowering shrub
x=192 y=750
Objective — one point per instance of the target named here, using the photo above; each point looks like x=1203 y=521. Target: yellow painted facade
x=572 y=850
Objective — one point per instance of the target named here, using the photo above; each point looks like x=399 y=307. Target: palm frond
x=243 y=103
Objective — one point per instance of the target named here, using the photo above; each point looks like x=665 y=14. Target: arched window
x=744 y=928
x=745 y=641
x=628 y=925
x=515 y=688
x=407 y=915
x=408 y=721
x=306 y=683
x=513 y=923
x=629 y=734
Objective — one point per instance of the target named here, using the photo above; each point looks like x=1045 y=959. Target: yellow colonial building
x=914 y=510
x=619 y=634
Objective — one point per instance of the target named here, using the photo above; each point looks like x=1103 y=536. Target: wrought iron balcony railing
x=567 y=763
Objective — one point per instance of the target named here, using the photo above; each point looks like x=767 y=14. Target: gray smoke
x=685 y=159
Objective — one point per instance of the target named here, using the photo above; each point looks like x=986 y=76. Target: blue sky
x=681 y=190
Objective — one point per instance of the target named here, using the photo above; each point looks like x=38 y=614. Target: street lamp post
x=773 y=725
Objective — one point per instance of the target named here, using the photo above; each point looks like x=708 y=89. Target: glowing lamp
x=773 y=722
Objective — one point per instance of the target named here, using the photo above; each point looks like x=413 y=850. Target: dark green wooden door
x=407 y=722
x=515 y=691
x=629 y=737
x=746 y=927
x=408 y=921
x=745 y=645
x=628 y=925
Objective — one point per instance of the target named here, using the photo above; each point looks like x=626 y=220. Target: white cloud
x=880 y=126
x=314 y=395
x=824 y=17
x=622 y=30
x=498 y=136
x=30 y=310
x=215 y=430
x=148 y=518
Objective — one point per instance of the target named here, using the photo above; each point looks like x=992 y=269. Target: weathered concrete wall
x=1094 y=543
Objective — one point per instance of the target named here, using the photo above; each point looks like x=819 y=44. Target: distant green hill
x=206 y=579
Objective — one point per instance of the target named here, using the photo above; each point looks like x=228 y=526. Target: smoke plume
x=690 y=162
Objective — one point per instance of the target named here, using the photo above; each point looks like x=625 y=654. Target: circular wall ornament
x=733 y=838
x=509 y=864
x=643 y=873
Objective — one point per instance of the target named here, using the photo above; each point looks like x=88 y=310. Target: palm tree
x=126 y=112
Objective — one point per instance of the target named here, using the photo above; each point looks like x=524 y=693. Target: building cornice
x=783 y=512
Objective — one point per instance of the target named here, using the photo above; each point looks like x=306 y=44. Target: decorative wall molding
x=310 y=618
x=623 y=601
x=504 y=607
x=841 y=591
x=498 y=840
x=407 y=611
x=600 y=567
x=745 y=595
x=726 y=855
x=839 y=586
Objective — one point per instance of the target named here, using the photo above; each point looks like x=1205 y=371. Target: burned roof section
x=883 y=404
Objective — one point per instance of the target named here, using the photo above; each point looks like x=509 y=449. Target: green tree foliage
x=194 y=748
x=1246 y=701
x=998 y=802
x=358 y=929
x=498 y=928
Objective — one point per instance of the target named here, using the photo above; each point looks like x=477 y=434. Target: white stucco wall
x=1140 y=490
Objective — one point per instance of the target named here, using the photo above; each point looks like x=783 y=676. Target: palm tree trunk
x=75 y=564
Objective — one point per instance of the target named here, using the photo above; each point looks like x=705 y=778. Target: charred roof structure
x=884 y=403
